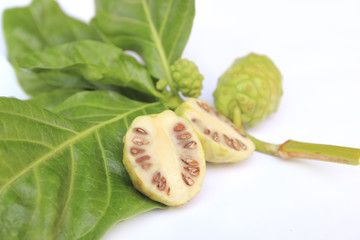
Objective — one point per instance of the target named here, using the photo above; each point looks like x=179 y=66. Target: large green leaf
x=52 y=99
x=64 y=179
x=97 y=62
x=158 y=30
x=40 y=25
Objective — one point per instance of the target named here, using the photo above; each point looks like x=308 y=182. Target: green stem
x=173 y=102
x=294 y=149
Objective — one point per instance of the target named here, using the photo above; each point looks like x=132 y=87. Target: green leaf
x=39 y=26
x=51 y=99
x=97 y=62
x=93 y=107
x=32 y=83
x=158 y=30
x=35 y=83
x=64 y=179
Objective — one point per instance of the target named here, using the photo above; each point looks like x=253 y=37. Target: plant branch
x=294 y=149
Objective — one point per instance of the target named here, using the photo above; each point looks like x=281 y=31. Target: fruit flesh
x=221 y=140
x=164 y=175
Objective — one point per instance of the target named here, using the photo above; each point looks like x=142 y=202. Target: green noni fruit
x=187 y=77
x=249 y=90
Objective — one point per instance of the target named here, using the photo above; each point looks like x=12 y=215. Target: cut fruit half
x=222 y=141
x=164 y=158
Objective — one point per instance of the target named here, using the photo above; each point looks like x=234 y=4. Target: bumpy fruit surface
x=250 y=87
x=222 y=141
x=187 y=77
x=164 y=158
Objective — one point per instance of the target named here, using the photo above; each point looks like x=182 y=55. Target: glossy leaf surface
x=157 y=30
x=96 y=62
x=62 y=178
x=39 y=26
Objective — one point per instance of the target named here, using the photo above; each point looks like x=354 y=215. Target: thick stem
x=294 y=149
x=172 y=101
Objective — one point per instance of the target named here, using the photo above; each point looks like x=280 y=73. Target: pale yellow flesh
x=164 y=150
x=216 y=152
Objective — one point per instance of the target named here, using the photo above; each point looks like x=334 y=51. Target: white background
x=316 y=46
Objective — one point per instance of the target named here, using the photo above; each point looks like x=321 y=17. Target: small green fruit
x=250 y=87
x=222 y=141
x=164 y=158
x=187 y=78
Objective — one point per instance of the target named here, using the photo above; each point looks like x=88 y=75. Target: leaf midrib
x=158 y=44
x=70 y=141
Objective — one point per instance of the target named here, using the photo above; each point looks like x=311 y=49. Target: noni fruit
x=187 y=78
x=249 y=90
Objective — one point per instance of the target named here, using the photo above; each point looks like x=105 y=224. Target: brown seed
x=194 y=120
x=179 y=127
x=215 y=137
x=136 y=151
x=204 y=106
x=184 y=136
x=207 y=131
x=242 y=145
x=236 y=145
x=143 y=158
x=139 y=141
x=229 y=141
x=162 y=184
x=190 y=162
x=168 y=191
x=145 y=166
x=140 y=131
x=217 y=114
x=156 y=177
x=188 y=180
x=194 y=171
x=191 y=145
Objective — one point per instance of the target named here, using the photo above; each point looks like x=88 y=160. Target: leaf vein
x=108 y=197
x=129 y=19
x=176 y=40
x=138 y=39
x=91 y=105
x=38 y=194
x=166 y=18
x=70 y=141
x=57 y=229
x=93 y=115
x=158 y=43
x=25 y=140
x=40 y=121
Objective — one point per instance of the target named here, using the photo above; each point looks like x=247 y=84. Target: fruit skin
x=252 y=87
x=216 y=153
x=139 y=183
x=187 y=78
